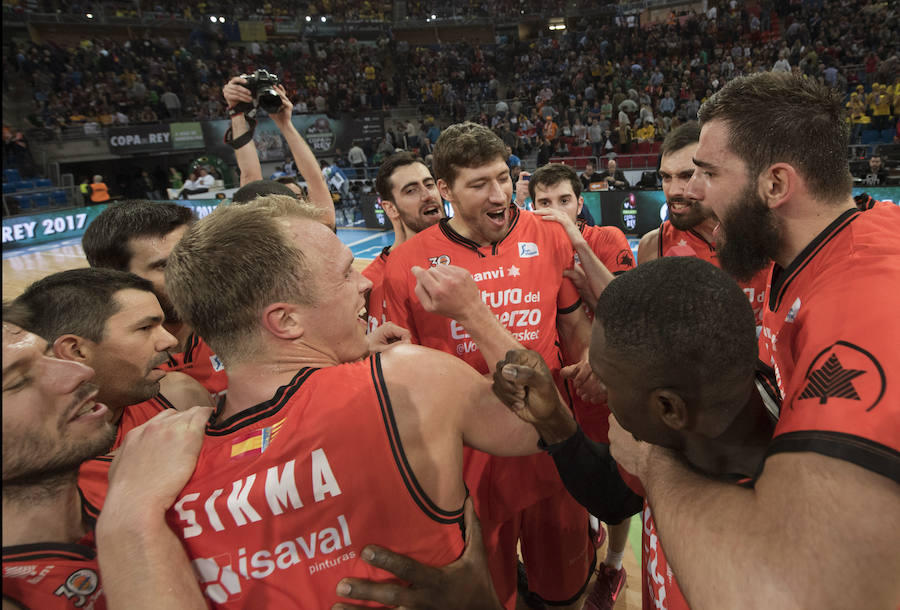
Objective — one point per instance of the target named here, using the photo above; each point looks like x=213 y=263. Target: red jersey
x=612 y=248
x=93 y=476
x=831 y=332
x=288 y=492
x=55 y=575
x=374 y=272
x=610 y=245
x=520 y=278
x=674 y=242
x=201 y=363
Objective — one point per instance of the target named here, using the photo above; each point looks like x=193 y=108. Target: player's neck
x=46 y=512
x=804 y=225
x=741 y=448
x=706 y=228
x=257 y=379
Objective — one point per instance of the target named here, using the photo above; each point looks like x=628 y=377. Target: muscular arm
x=784 y=536
x=648 y=247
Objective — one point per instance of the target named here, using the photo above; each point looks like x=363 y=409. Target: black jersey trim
x=193 y=342
x=385 y=252
x=573 y=307
x=782 y=278
x=48 y=550
x=453 y=236
x=424 y=502
x=855 y=449
x=89 y=512
x=257 y=412
x=711 y=246
x=164 y=402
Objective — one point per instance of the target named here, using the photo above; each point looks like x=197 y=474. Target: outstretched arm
x=246 y=156
x=316 y=188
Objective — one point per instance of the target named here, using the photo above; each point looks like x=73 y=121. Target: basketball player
x=318 y=448
x=410 y=198
x=675 y=343
x=517 y=260
x=603 y=253
x=111 y=321
x=772 y=166
x=51 y=423
x=137 y=236
x=690 y=227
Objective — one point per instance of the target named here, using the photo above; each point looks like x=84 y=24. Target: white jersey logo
x=527 y=249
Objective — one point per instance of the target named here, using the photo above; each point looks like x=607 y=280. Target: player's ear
x=778 y=184
x=283 y=320
x=580 y=205
x=444 y=190
x=670 y=408
x=390 y=209
x=72 y=347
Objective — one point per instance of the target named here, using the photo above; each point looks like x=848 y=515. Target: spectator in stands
x=876 y=173
x=99 y=190
x=614 y=177
x=513 y=160
x=357 y=159
x=199 y=182
x=591 y=180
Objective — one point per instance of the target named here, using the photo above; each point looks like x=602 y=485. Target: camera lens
x=269 y=100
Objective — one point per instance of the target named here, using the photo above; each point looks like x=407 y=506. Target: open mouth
x=431 y=211
x=498 y=217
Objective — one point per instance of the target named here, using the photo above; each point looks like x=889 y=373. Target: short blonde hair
x=233 y=263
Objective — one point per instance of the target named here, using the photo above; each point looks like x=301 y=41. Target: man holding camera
x=243 y=96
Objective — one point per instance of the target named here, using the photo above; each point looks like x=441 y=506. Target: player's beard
x=34 y=464
x=418 y=222
x=749 y=236
x=695 y=216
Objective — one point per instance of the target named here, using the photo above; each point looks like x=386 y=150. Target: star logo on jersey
x=845 y=372
x=682 y=243
x=625 y=259
x=513 y=271
x=832 y=380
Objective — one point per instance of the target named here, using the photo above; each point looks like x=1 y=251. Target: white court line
x=378 y=235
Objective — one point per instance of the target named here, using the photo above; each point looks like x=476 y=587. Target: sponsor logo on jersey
x=19 y=571
x=845 y=372
x=256 y=442
x=216 y=363
x=527 y=249
x=443 y=259
x=78 y=586
x=792 y=313
x=219 y=581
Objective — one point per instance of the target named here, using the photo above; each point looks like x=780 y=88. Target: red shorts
x=557 y=551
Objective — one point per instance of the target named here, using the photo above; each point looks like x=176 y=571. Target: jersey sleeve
x=612 y=248
x=398 y=293
x=843 y=398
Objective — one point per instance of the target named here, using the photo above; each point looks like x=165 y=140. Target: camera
x=262 y=87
